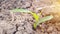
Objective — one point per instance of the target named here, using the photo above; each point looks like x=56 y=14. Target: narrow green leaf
x=25 y=10
x=20 y=10
x=42 y=20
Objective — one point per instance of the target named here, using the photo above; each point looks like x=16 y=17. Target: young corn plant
x=35 y=16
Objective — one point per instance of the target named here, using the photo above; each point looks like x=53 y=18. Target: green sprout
x=35 y=16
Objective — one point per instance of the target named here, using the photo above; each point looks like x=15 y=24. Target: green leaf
x=42 y=20
x=36 y=17
x=20 y=10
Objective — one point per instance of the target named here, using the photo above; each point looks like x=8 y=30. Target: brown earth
x=19 y=23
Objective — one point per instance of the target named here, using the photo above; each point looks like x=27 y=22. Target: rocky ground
x=19 y=23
